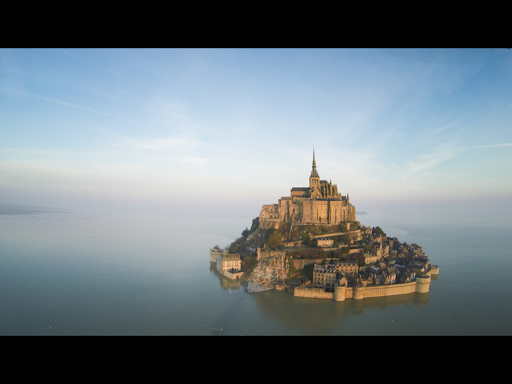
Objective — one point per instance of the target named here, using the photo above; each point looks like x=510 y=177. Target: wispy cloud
x=188 y=152
x=445 y=127
x=53 y=100
x=428 y=161
x=444 y=153
x=385 y=123
x=161 y=144
x=68 y=104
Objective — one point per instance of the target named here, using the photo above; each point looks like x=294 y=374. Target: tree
x=306 y=239
x=245 y=232
x=379 y=231
x=291 y=269
x=274 y=240
x=255 y=224
x=248 y=264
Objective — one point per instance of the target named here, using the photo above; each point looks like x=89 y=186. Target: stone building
x=371 y=258
x=320 y=203
x=229 y=265
x=327 y=275
x=324 y=242
x=214 y=253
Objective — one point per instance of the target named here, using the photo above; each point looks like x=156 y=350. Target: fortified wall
x=421 y=285
x=265 y=254
x=313 y=293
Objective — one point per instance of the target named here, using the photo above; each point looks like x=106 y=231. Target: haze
x=422 y=134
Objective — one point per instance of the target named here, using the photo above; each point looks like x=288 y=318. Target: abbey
x=320 y=203
x=316 y=226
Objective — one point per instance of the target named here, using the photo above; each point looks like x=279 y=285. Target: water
x=64 y=272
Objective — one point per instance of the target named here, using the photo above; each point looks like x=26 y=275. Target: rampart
x=355 y=232
x=312 y=293
x=421 y=285
x=261 y=254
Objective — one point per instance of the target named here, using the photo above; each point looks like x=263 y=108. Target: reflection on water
x=225 y=283
x=321 y=316
x=122 y=273
x=315 y=316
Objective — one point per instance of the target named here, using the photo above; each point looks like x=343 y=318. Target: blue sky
x=239 y=125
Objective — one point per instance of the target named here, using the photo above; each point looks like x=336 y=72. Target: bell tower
x=314 y=180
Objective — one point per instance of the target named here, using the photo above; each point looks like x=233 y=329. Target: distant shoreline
x=19 y=209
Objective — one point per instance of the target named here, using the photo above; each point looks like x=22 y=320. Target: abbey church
x=318 y=204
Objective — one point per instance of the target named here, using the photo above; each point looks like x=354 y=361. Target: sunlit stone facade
x=320 y=203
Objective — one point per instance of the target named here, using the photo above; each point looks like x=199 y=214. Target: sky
x=237 y=126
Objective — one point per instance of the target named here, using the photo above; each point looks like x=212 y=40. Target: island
x=311 y=245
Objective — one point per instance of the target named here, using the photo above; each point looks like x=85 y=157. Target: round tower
x=339 y=293
x=422 y=284
x=358 y=293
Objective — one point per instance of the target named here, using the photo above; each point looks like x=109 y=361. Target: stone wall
x=214 y=254
x=290 y=244
x=382 y=290
x=299 y=264
x=324 y=242
x=355 y=233
x=264 y=254
x=327 y=211
x=269 y=216
x=302 y=210
x=313 y=293
x=368 y=259
x=233 y=276
x=364 y=292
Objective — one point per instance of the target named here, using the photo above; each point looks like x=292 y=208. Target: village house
x=229 y=265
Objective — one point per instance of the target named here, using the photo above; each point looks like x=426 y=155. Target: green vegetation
x=339 y=253
x=250 y=240
x=315 y=229
x=340 y=240
x=292 y=272
x=307 y=240
x=274 y=240
x=379 y=231
x=235 y=246
x=344 y=227
x=248 y=264
x=255 y=224
x=296 y=232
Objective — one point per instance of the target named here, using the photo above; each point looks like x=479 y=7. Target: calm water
x=79 y=273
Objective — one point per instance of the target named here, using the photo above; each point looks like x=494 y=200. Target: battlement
x=341 y=293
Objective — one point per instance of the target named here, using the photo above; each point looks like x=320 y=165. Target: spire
x=314 y=173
